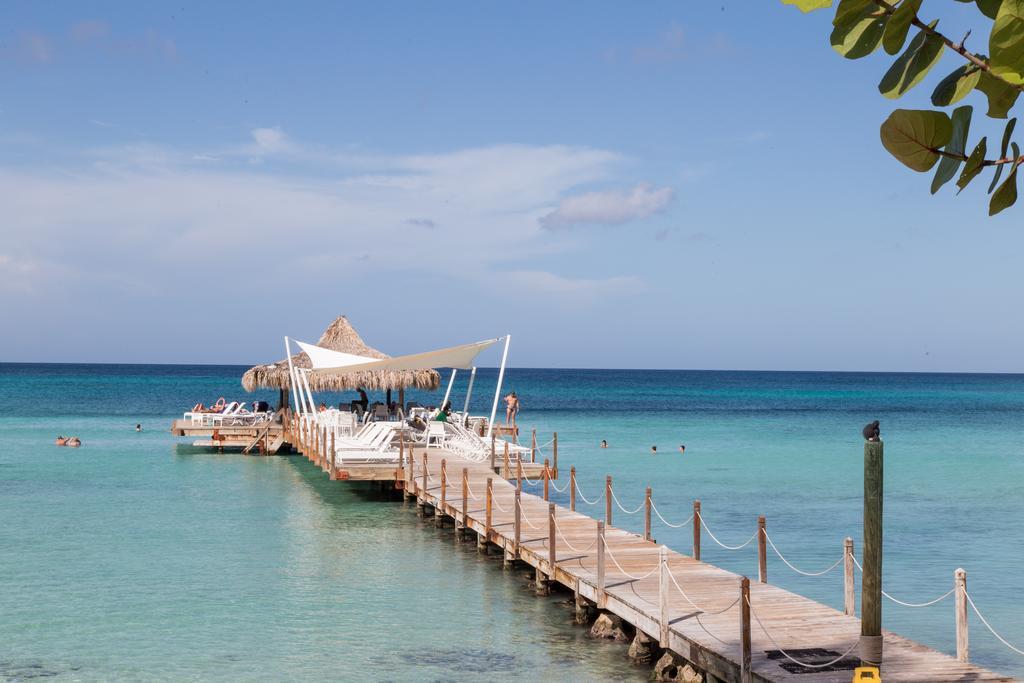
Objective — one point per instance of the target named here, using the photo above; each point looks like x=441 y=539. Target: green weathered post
x=871 y=586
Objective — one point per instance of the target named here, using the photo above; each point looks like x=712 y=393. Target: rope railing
x=608 y=551
x=619 y=504
x=522 y=515
x=909 y=604
x=727 y=547
x=564 y=488
x=668 y=523
x=710 y=613
x=571 y=546
x=796 y=569
x=790 y=657
x=495 y=503
x=584 y=498
x=988 y=625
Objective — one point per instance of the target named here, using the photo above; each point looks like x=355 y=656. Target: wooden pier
x=724 y=625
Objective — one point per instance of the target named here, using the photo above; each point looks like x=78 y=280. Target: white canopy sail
x=335 y=362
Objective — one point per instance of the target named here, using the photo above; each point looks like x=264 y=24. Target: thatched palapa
x=340 y=336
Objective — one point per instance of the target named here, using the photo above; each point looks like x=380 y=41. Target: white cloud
x=270 y=139
x=610 y=207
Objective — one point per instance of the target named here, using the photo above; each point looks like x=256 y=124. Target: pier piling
x=745 y=630
x=871 y=580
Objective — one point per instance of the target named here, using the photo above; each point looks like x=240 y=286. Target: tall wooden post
x=960 y=582
x=547 y=479
x=444 y=486
x=745 y=630
x=696 y=530
x=552 y=556
x=608 y=500
x=602 y=599
x=762 y=550
x=533 y=445
x=647 y=514
x=465 y=500
x=871 y=580
x=572 y=488
x=849 y=594
x=554 y=455
x=663 y=596
x=517 y=527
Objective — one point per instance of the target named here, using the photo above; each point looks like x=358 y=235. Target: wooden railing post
x=762 y=550
x=547 y=479
x=663 y=596
x=424 y=492
x=482 y=539
x=745 y=630
x=465 y=500
x=849 y=594
x=960 y=582
x=334 y=455
x=493 y=437
x=696 y=529
x=533 y=445
x=552 y=557
x=401 y=450
x=519 y=473
x=608 y=500
x=517 y=527
x=554 y=455
x=508 y=468
x=871 y=574
x=572 y=488
x=444 y=485
x=602 y=600
x=323 y=455
x=647 y=514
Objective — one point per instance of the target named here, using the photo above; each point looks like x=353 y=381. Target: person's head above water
x=654 y=449
x=604 y=443
x=682 y=448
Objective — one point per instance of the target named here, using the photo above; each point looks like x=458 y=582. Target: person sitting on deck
x=444 y=413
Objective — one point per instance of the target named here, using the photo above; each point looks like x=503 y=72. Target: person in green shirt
x=444 y=413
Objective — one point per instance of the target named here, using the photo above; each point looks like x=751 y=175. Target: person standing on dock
x=511 y=409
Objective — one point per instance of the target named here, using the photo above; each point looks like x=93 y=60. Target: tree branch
x=955 y=47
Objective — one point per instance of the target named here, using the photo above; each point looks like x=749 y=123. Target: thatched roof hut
x=340 y=336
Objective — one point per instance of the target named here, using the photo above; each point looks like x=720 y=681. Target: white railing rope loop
x=628 y=512
x=800 y=571
x=584 y=498
x=909 y=604
x=657 y=566
x=666 y=522
x=571 y=546
x=695 y=605
x=788 y=656
x=988 y=625
x=727 y=547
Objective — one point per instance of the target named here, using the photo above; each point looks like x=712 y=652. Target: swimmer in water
x=682 y=448
x=654 y=450
x=604 y=444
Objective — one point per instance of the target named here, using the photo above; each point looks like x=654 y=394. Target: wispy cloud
x=421 y=223
x=34 y=47
x=611 y=207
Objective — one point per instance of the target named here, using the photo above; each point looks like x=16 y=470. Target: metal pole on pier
x=448 y=391
x=871 y=580
x=497 y=388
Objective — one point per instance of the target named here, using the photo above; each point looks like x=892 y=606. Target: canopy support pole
x=497 y=389
x=469 y=392
x=309 y=392
x=448 y=391
x=291 y=374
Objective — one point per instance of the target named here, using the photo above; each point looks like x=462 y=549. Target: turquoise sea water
x=138 y=557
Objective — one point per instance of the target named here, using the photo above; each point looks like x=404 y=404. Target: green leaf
x=956 y=85
x=1006 y=195
x=1001 y=96
x=1007 y=132
x=1006 y=42
x=858 y=28
x=913 y=65
x=973 y=166
x=913 y=135
x=898 y=25
x=990 y=8
x=957 y=145
x=808 y=5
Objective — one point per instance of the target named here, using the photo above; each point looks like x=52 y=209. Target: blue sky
x=664 y=185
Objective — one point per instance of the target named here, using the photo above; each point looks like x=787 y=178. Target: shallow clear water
x=135 y=557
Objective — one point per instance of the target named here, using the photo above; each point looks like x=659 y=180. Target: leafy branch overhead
x=923 y=138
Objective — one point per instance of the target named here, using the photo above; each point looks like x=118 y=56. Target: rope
x=787 y=655
x=494 y=502
x=910 y=604
x=668 y=523
x=522 y=515
x=571 y=546
x=635 y=578
x=628 y=512
x=584 y=498
x=800 y=571
x=727 y=547
x=698 y=607
x=469 y=490
x=988 y=625
x=555 y=487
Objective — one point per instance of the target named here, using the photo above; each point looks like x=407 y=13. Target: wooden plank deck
x=705 y=623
